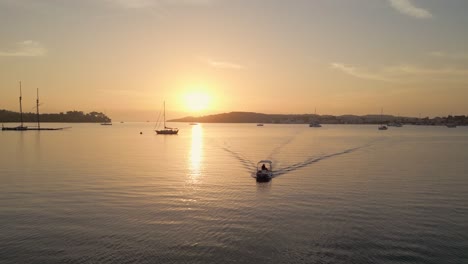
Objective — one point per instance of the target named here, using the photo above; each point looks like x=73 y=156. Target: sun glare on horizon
x=197 y=101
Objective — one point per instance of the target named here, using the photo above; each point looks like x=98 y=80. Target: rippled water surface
x=341 y=194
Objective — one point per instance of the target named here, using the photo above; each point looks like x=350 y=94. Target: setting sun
x=197 y=101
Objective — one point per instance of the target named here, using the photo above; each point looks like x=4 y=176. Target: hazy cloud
x=408 y=8
x=446 y=71
x=226 y=65
x=154 y=3
x=27 y=48
x=357 y=72
x=222 y=64
x=404 y=73
x=448 y=55
x=123 y=92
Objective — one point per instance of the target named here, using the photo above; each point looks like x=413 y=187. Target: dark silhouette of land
x=250 y=117
x=67 y=117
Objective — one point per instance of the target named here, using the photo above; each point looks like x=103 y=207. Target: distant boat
x=382 y=126
x=166 y=130
x=395 y=124
x=38 y=121
x=451 y=125
x=315 y=124
x=259 y=124
x=24 y=128
x=193 y=124
x=20 y=127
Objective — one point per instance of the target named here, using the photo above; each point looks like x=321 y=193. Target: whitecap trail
x=311 y=160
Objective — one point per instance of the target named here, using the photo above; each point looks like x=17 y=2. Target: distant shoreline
x=67 y=117
x=252 y=117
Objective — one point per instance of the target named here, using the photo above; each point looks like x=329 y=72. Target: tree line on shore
x=67 y=117
x=250 y=117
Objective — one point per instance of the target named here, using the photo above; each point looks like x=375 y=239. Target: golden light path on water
x=196 y=153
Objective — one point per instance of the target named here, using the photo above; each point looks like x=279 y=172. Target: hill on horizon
x=252 y=117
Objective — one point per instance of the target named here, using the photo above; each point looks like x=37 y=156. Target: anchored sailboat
x=38 y=120
x=382 y=126
x=166 y=130
x=315 y=123
x=22 y=127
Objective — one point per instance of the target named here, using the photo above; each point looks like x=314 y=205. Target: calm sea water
x=341 y=194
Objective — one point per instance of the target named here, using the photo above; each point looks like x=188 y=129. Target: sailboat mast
x=164 y=114
x=381 y=115
x=21 y=106
x=37 y=108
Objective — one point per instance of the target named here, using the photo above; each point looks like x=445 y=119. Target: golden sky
x=125 y=57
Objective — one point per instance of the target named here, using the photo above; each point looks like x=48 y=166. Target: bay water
x=340 y=194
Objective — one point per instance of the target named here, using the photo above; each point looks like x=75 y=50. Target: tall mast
x=381 y=115
x=21 y=106
x=164 y=114
x=37 y=108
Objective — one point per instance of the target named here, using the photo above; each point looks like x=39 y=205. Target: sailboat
x=382 y=126
x=396 y=123
x=38 y=120
x=166 y=130
x=315 y=123
x=20 y=127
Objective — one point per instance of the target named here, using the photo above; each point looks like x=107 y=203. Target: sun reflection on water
x=196 y=153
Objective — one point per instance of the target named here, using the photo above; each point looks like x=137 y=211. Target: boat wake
x=250 y=165
x=282 y=145
x=312 y=160
x=246 y=163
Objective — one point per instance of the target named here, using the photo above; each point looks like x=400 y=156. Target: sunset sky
x=125 y=57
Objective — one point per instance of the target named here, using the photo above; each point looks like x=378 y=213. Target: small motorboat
x=395 y=124
x=315 y=124
x=259 y=124
x=383 y=127
x=264 y=171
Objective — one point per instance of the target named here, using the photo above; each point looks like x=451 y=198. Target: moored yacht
x=382 y=126
x=315 y=124
x=166 y=130
x=395 y=124
x=20 y=127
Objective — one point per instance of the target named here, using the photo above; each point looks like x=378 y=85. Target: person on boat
x=264 y=167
